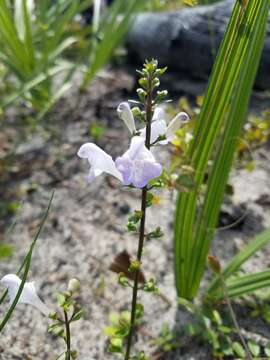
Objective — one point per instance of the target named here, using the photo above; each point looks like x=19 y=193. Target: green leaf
x=56 y=329
x=248 y=283
x=238 y=349
x=156 y=234
x=110 y=331
x=116 y=345
x=149 y=199
x=217 y=317
x=139 y=311
x=254 y=348
x=267 y=349
x=61 y=299
x=78 y=315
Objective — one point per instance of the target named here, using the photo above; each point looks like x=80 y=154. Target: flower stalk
x=137 y=168
x=68 y=342
x=149 y=114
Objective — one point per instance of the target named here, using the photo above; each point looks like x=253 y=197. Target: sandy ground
x=85 y=230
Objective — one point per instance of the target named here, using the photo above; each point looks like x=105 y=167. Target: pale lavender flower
x=28 y=296
x=175 y=124
x=159 y=127
x=125 y=114
x=136 y=167
x=99 y=161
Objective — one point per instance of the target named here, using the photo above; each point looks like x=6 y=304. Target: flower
x=125 y=114
x=175 y=124
x=28 y=296
x=135 y=167
x=138 y=164
x=74 y=285
x=99 y=161
x=158 y=126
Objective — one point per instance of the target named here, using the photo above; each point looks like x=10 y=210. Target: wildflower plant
x=137 y=168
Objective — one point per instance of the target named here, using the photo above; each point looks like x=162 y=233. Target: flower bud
x=134 y=265
x=151 y=66
x=160 y=72
x=136 y=111
x=74 y=285
x=156 y=82
x=141 y=93
x=53 y=315
x=143 y=82
x=161 y=96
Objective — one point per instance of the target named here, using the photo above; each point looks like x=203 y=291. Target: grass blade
x=235 y=263
x=242 y=285
x=25 y=265
x=112 y=28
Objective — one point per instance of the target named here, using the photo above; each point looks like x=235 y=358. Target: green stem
x=67 y=357
x=136 y=276
x=148 y=106
x=233 y=317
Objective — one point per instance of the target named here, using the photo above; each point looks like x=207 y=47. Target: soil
x=85 y=229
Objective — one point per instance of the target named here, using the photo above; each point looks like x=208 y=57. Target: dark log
x=187 y=41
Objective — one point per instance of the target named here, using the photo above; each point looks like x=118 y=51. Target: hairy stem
x=148 y=107
x=67 y=357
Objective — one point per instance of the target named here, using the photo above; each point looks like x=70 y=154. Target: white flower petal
x=159 y=114
x=138 y=165
x=99 y=161
x=125 y=114
x=158 y=128
x=175 y=125
x=138 y=150
x=93 y=173
x=28 y=296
